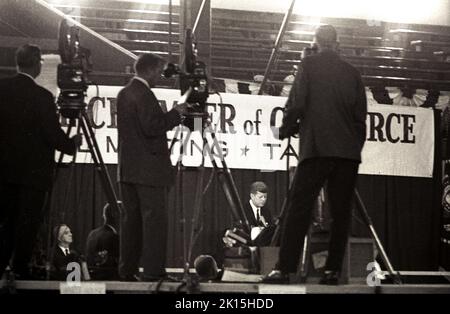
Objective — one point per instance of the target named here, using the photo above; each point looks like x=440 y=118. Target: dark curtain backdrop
x=406 y=212
x=77 y=199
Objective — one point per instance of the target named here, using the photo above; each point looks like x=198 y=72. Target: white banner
x=400 y=140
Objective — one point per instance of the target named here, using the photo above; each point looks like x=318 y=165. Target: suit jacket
x=29 y=133
x=327 y=106
x=103 y=238
x=142 y=125
x=265 y=212
x=60 y=261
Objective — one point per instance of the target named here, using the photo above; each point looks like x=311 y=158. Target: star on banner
x=244 y=150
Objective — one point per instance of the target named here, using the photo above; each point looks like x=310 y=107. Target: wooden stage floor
x=236 y=283
x=117 y=287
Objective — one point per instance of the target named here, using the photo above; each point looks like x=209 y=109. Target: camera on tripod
x=72 y=72
x=310 y=51
x=193 y=80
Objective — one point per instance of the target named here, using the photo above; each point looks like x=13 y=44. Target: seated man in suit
x=259 y=217
x=242 y=249
x=102 y=248
x=62 y=253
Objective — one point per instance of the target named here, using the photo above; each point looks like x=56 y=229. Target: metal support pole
x=368 y=221
x=170 y=30
x=199 y=14
x=275 y=49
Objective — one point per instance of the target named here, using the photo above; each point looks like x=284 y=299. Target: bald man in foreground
x=327 y=106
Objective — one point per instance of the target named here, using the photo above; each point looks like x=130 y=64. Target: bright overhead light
x=160 y=2
x=400 y=11
x=397 y=11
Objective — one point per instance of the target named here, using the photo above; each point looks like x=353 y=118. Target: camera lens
x=171 y=70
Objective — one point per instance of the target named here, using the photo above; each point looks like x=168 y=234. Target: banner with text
x=400 y=140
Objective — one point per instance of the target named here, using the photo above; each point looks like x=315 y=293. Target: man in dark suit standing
x=145 y=171
x=102 y=248
x=29 y=134
x=327 y=106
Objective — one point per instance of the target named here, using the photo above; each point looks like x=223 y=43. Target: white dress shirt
x=64 y=250
x=257 y=229
x=255 y=213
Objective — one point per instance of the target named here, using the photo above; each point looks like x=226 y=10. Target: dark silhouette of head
x=326 y=37
x=206 y=267
x=149 y=66
x=29 y=60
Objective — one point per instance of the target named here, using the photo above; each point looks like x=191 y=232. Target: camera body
x=71 y=77
x=72 y=72
x=193 y=80
x=310 y=51
x=197 y=81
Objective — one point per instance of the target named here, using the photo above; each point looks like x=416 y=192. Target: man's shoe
x=276 y=277
x=330 y=277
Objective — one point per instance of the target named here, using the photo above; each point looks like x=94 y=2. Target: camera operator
x=29 y=134
x=327 y=106
x=145 y=172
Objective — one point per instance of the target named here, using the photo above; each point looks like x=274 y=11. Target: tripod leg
x=303 y=270
x=99 y=164
x=198 y=204
x=178 y=131
x=277 y=233
x=363 y=211
x=61 y=155
x=288 y=179
x=228 y=184
x=188 y=281
x=179 y=196
x=179 y=183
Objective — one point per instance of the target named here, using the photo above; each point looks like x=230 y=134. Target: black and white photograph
x=222 y=155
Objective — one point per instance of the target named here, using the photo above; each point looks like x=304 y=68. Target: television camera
x=73 y=83
x=193 y=80
x=72 y=72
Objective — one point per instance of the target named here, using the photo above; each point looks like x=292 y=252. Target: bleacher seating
x=241 y=42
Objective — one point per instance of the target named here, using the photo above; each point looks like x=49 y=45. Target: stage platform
x=237 y=283
x=117 y=287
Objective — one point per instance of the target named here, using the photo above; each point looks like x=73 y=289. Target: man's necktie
x=67 y=252
x=258 y=217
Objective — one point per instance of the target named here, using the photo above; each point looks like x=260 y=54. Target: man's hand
x=279 y=133
x=77 y=139
x=283 y=132
x=229 y=242
x=181 y=108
